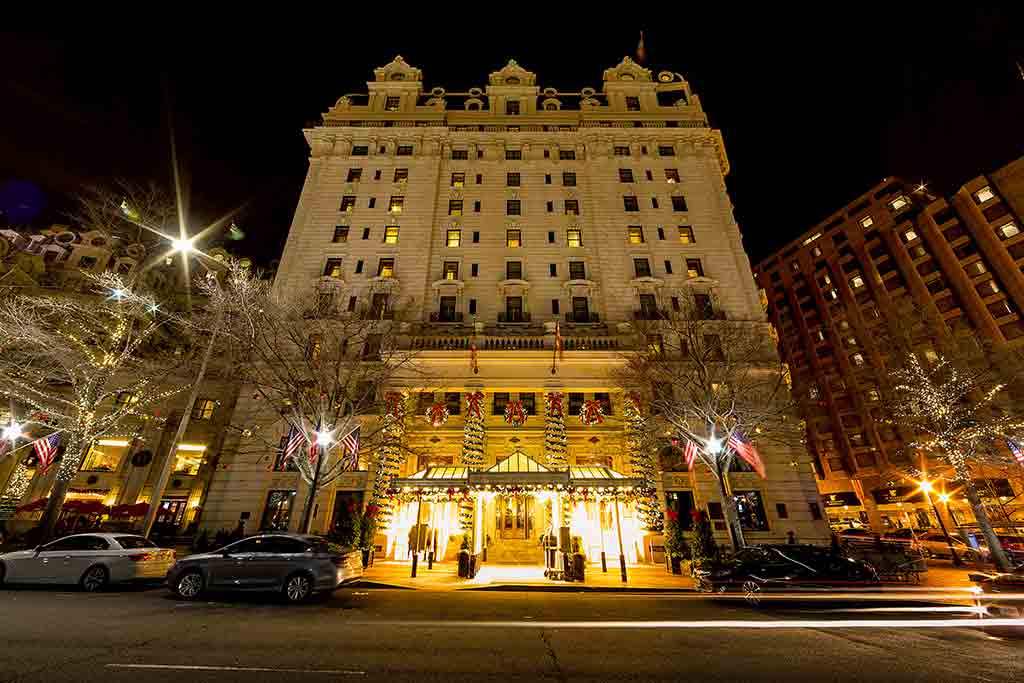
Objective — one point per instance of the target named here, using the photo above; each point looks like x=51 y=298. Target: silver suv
x=294 y=565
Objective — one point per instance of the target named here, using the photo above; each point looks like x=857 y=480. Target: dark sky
x=815 y=108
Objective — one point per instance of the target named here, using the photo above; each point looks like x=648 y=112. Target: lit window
x=655 y=346
x=832 y=294
x=795 y=265
x=873 y=395
x=458 y=179
x=851 y=341
x=858 y=359
x=333 y=268
x=202 y=409
x=856 y=281
x=354 y=174
x=513 y=238
x=340 y=233
x=900 y=202
x=392 y=103
x=810 y=239
x=391 y=234
x=572 y=207
x=816 y=252
x=694 y=268
x=671 y=175
x=401 y=174
x=976 y=268
x=451 y=270
x=386 y=267
x=909 y=236
x=819 y=335
x=984 y=194
x=396 y=204
x=348 y=203
x=636 y=234
x=454 y=238
x=867 y=222
x=188 y=458
x=455 y=207
x=931 y=356
x=1008 y=230
x=574 y=238
x=105 y=455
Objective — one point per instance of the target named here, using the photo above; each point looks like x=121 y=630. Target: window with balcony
x=333 y=268
x=514 y=310
x=348 y=203
x=513 y=238
x=625 y=175
x=396 y=204
x=694 y=268
x=513 y=207
x=447 y=313
x=630 y=204
x=391 y=234
x=451 y=270
x=636 y=234
x=340 y=234
x=686 y=235
x=458 y=179
x=386 y=267
x=641 y=267
x=574 y=237
x=572 y=207
x=402 y=174
x=512 y=179
x=514 y=270
x=577 y=270
x=580 y=309
x=671 y=176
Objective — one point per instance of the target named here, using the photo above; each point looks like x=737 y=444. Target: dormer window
x=392 y=103
x=512 y=80
x=398 y=77
x=512 y=108
x=632 y=103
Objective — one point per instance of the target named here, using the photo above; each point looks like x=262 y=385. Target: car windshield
x=135 y=542
x=326 y=547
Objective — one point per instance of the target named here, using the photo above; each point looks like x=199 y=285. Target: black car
x=757 y=569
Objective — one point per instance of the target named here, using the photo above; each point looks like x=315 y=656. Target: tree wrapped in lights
x=950 y=408
x=640 y=452
x=69 y=357
x=389 y=454
x=554 y=430
x=316 y=368
x=709 y=380
x=472 y=455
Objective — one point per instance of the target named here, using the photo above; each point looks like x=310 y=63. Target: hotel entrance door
x=514 y=519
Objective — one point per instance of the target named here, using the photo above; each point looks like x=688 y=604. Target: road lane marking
x=708 y=624
x=248 y=669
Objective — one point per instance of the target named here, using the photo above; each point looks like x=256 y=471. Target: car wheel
x=752 y=593
x=189 y=585
x=298 y=587
x=94 y=579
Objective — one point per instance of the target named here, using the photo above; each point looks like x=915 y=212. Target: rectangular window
x=512 y=107
x=898 y=203
x=202 y=409
x=666 y=151
x=668 y=267
x=654 y=202
x=1008 y=230
x=401 y=174
x=366 y=233
x=354 y=174
x=386 y=267
x=636 y=234
x=781 y=511
x=514 y=270
x=340 y=234
x=476 y=206
x=513 y=207
x=454 y=207
x=451 y=270
x=551 y=236
x=551 y=207
x=605 y=399
x=641 y=267
x=472 y=302
x=458 y=179
x=479 y=178
x=371 y=348
x=671 y=176
x=867 y=222
x=678 y=203
x=547 y=178
x=513 y=238
x=277 y=513
x=348 y=203
x=512 y=179
x=572 y=207
x=391 y=234
x=476 y=237
x=566 y=154
x=621 y=151
x=625 y=175
x=580 y=309
x=648 y=307
x=392 y=103
x=404 y=151
x=529 y=402
x=474 y=269
x=454 y=238
x=569 y=180
x=574 y=237
x=554 y=307
x=632 y=103
x=661 y=233
x=575 y=403
x=630 y=204
x=372 y=203
x=702 y=307
x=333 y=268
x=360 y=150
x=686 y=235
x=453 y=401
x=500 y=401
x=577 y=270
x=553 y=269
x=984 y=194
x=396 y=204
x=460 y=154
x=694 y=268
x=514 y=310
x=513 y=154
x=352 y=302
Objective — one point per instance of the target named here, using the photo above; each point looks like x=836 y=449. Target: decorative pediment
x=514 y=75
x=397 y=70
x=627 y=70
x=518 y=462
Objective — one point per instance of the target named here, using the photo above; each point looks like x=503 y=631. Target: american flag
x=747 y=451
x=294 y=443
x=350 y=450
x=690 y=453
x=1018 y=452
x=46 y=450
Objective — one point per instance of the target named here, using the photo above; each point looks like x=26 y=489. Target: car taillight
x=142 y=558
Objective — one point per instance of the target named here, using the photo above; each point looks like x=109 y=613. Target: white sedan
x=90 y=560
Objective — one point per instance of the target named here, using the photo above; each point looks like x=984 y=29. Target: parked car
x=93 y=561
x=934 y=544
x=757 y=569
x=994 y=583
x=295 y=565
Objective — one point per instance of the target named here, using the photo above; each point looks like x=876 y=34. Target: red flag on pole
x=690 y=454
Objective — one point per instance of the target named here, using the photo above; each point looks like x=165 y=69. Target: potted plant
x=704 y=552
x=676 y=547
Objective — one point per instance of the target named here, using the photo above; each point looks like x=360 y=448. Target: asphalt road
x=372 y=635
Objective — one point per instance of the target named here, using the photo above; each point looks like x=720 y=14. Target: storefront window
x=750 y=508
x=105 y=455
x=278 y=511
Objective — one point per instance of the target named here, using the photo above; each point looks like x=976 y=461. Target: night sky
x=814 y=109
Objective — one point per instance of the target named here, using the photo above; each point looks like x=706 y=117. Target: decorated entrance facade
x=509 y=508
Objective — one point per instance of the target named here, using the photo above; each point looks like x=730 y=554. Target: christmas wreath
x=437 y=414
x=514 y=413
x=592 y=413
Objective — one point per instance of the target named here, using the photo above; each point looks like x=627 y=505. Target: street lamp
x=13 y=431
x=324 y=438
x=183 y=244
x=926 y=488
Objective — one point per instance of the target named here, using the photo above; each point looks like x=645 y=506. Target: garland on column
x=17 y=485
x=472 y=450
x=389 y=456
x=554 y=431
x=642 y=463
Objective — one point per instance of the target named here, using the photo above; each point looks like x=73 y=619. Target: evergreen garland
x=642 y=463
x=472 y=451
x=389 y=456
x=554 y=431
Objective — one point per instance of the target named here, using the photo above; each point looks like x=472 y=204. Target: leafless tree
x=710 y=379
x=67 y=357
x=314 y=363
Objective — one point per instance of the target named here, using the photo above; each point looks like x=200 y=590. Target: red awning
x=130 y=510
x=34 y=506
x=85 y=507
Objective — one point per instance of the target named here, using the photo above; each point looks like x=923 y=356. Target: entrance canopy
x=517 y=472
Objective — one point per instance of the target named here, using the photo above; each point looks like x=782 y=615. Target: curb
x=569 y=588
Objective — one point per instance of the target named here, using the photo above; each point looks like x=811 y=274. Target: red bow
x=473 y=404
x=555 y=403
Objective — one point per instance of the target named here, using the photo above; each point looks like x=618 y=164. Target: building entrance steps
x=518 y=551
